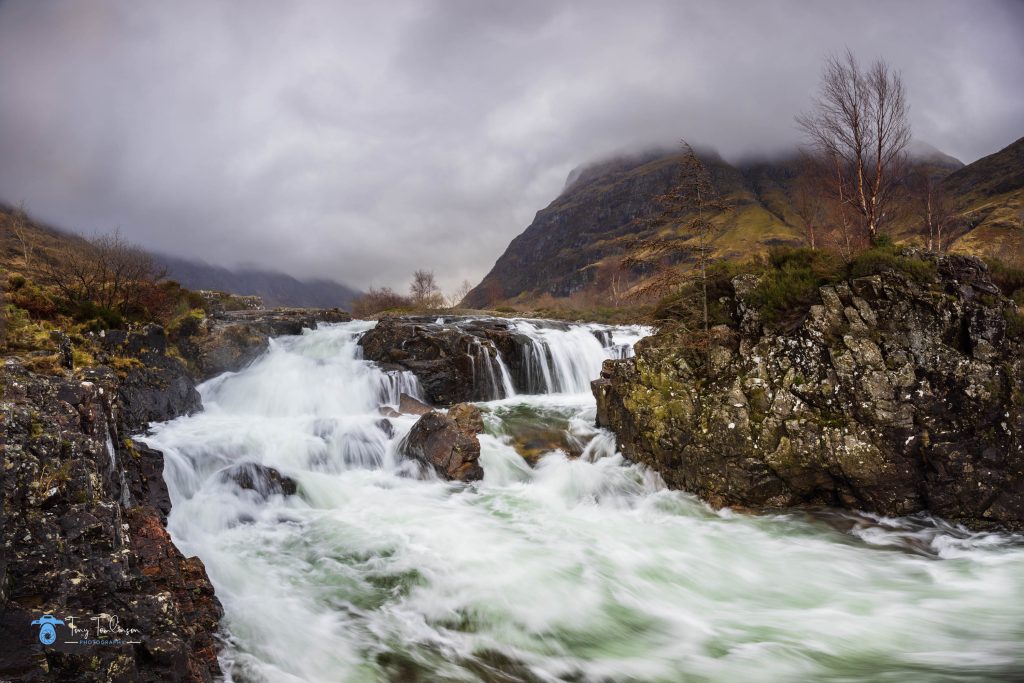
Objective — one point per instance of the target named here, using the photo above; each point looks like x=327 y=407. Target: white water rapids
x=581 y=567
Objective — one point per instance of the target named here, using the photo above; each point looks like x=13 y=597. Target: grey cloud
x=362 y=140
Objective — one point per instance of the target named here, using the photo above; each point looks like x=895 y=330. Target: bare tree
x=106 y=270
x=424 y=290
x=19 y=225
x=933 y=205
x=459 y=294
x=860 y=120
x=377 y=300
x=675 y=261
x=810 y=199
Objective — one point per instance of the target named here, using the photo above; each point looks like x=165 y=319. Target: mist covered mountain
x=276 y=289
x=568 y=250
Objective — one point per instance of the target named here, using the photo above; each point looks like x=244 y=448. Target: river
x=568 y=564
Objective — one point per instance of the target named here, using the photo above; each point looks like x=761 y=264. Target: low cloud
x=359 y=141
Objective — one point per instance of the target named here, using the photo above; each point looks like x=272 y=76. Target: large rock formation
x=454 y=362
x=891 y=396
x=448 y=443
x=229 y=341
x=81 y=511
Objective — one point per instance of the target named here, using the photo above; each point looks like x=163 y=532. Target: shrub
x=1007 y=278
x=789 y=287
x=1014 y=323
x=29 y=296
x=884 y=258
x=185 y=324
x=96 y=317
x=378 y=300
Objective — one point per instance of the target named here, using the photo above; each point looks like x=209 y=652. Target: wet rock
x=266 y=481
x=386 y=427
x=152 y=386
x=892 y=396
x=448 y=443
x=454 y=362
x=229 y=341
x=81 y=527
x=412 y=406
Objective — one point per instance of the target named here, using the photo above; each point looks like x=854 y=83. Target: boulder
x=892 y=395
x=152 y=386
x=265 y=481
x=412 y=406
x=448 y=443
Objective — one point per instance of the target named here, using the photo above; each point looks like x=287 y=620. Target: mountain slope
x=991 y=194
x=48 y=244
x=568 y=250
x=276 y=289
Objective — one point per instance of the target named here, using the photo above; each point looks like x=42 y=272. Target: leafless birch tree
x=860 y=121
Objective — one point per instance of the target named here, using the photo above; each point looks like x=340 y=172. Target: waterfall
x=566 y=358
x=491 y=377
x=565 y=562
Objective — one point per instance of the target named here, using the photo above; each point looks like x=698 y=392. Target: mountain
x=49 y=244
x=991 y=193
x=276 y=289
x=568 y=252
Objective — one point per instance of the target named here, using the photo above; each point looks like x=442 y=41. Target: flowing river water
x=566 y=563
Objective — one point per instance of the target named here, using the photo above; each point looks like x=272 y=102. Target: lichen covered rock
x=82 y=508
x=891 y=396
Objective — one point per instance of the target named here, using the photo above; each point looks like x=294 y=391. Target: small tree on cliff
x=20 y=228
x=860 y=122
x=676 y=261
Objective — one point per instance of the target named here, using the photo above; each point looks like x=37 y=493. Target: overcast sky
x=361 y=140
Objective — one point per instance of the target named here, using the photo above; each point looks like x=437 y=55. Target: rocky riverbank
x=82 y=519
x=84 y=506
x=892 y=395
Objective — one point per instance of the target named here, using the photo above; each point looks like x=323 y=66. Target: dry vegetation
x=54 y=284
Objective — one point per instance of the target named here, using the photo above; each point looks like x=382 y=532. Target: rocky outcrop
x=229 y=341
x=448 y=443
x=82 y=514
x=890 y=396
x=454 y=362
x=264 y=481
x=151 y=384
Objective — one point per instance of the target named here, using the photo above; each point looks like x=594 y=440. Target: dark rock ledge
x=83 y=506
x=229 y=341
x=82 y=511
x=891 y=396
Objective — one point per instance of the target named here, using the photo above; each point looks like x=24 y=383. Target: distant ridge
x=276 y=289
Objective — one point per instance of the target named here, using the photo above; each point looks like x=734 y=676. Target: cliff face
x=82 y=508
x=891 y=396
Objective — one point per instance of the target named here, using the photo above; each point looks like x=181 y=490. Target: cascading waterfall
x=573 y=568
x=491 y=377
x=566 y=358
